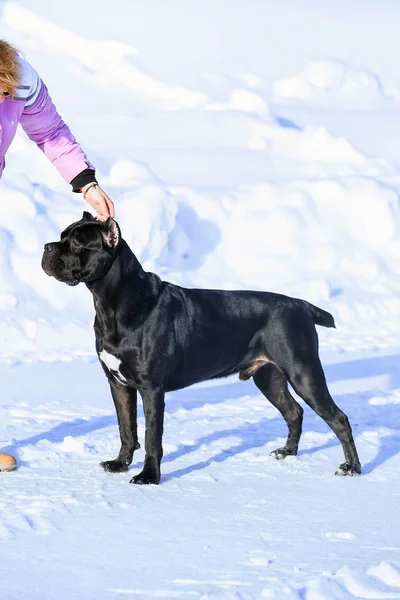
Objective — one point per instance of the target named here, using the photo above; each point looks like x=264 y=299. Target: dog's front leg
x=125 y=401
x=153 y=406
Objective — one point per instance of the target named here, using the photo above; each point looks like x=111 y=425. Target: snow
x=245 y=145
x=228 y=520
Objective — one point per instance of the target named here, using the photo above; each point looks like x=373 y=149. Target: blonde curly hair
x=9 y=67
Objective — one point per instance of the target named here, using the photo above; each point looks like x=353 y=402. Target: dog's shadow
x=57 y=434
x=363 y=417
x=252 y=435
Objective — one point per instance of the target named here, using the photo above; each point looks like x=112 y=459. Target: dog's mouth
x=53 y=266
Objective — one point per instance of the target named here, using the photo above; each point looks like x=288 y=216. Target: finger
x=103 y=208
x=101 y=205
x=108 y=205
x=98 y=208
x=111 y=208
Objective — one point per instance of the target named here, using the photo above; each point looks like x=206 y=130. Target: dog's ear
x=111 y=233
x=87 y=216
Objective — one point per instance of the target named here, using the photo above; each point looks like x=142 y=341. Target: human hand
x=99 y=201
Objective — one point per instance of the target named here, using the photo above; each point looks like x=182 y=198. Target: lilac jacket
x=34 y=109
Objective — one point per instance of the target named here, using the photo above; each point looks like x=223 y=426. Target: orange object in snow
x=7 y=462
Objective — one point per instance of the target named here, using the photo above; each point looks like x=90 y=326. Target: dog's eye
x=75 y=243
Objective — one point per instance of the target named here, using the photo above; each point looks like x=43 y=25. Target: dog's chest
x=113 y=365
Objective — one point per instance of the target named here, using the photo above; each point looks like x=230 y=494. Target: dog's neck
x=121 y=269
x=127 y=279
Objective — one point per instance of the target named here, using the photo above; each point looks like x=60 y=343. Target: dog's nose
x=48 y=247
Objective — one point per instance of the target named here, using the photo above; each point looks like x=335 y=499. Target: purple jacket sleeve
x=43 y=125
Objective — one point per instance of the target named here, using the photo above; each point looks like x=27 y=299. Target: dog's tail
x=321 y=317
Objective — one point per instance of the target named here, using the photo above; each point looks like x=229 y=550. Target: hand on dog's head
x=85 y=251
x=110 y=229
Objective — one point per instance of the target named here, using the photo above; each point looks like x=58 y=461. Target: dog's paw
x=281 y=453
x=114 y=466
x=146 y=477
x=349 y=469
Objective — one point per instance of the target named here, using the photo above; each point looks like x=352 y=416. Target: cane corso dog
x=153 y=337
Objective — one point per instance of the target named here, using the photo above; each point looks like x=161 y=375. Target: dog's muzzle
x=53 y=266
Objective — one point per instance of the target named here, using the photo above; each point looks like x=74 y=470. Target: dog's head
x=85 y=251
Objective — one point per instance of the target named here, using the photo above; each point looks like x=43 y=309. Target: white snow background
x=250 y=144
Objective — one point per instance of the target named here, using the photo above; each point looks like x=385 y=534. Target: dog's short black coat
x=153 y=337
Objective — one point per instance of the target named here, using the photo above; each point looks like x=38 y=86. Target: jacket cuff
x=82 y=179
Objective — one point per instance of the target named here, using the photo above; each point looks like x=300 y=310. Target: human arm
x=43 y=125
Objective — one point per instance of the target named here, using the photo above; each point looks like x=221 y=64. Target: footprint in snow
x=339 y=536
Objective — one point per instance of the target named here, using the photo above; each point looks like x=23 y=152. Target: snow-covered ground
x=246 y=145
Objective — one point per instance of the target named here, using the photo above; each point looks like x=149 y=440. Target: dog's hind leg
x=273 y=384
x=125 y=401
x=295 y=351
x=308 y=381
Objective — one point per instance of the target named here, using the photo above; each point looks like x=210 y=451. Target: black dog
x=154 y=337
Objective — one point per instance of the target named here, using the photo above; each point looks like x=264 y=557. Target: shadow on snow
x=363 y=417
